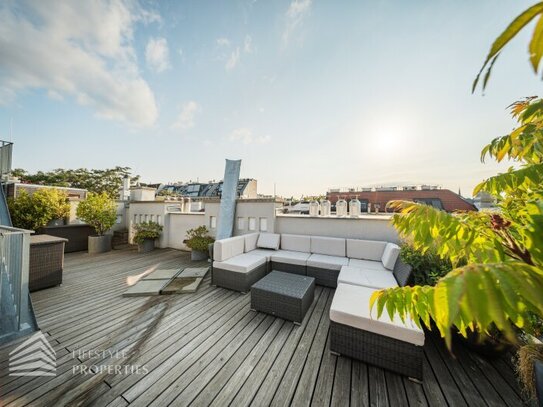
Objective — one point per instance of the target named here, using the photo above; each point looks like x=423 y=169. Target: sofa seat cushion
x=226 y=248
x=376 y=279
x=367 y=264
x=365 y=249
x=296 y=243
x=323 y=261
x=290 y=257
x=243 y=263
x=351 y=306
x=268 y=241
x=267 y=253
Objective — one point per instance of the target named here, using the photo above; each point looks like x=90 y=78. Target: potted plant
x=99 y=211
x=198 y=240
x=37 y=210
x=146 y=234
x=59 y=204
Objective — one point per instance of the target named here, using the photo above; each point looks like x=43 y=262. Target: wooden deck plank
x=208 y=347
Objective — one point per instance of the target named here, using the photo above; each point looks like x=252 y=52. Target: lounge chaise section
x=356 y=332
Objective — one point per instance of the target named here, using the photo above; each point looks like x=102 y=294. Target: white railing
x=15 y=309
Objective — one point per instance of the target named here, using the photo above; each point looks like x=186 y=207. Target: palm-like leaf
x=526 y=179
x=476 y=296
x=536 y=47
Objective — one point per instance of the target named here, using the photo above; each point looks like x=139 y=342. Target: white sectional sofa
x=356 y=267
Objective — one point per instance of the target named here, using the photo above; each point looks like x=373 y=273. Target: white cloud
x=295 y=15
x=248 y=44
x=187 y=115
x=77 y=49
x=233 y=60
x=157 y=54
x=223 y=42
x=246 y=136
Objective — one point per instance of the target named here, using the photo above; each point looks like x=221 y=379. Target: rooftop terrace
x=210 y=348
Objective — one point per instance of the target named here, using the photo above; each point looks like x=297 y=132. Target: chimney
x=124 y=191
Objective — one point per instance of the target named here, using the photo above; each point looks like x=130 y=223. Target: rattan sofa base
x=289 y=268
x=382 y=351
x=323 y=277
x=238 y=281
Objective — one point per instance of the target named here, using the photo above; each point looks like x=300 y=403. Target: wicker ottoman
x=284 y=295
x=46 y=261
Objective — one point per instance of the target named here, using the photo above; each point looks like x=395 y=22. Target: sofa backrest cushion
x=250 y=241
x=365 y=249
x=268 y=241
x=390 y=255
x=296 y=243
x=330 y=246
x=226 y=248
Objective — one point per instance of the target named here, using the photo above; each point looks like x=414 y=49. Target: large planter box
x=99 y=244
x=77 y=235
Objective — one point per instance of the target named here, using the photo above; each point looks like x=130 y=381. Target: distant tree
x=108 y=180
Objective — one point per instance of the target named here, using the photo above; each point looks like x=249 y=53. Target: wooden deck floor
x=208 y=348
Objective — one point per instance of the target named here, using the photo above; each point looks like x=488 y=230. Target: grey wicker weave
x=284 y=295
x=324 y=277
x=237 y=281
x=46 y=261
x=382 y=351
x=289 y=268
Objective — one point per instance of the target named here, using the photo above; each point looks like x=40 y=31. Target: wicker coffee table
x=284 y=295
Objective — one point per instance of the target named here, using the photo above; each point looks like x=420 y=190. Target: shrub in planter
x=198 y=240
x=428 y=267
x=99 y=211
x=146 y=233
x=37 y=210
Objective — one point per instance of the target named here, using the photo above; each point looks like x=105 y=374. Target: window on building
x=135 y=218
x=152 y=218
x=263 y=224
x=252 y=223
x=213 y=222
x=363 y=205
x=241 y=223
x=158 y=219
x=435 y=202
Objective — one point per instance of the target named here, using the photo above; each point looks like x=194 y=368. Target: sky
x=309 y=94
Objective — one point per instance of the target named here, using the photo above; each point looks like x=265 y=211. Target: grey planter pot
x=99 y=244
x=197 y=255
x=147 y=246
x=56 y=222
x=538 y=373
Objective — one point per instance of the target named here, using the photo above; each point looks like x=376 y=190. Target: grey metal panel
x=227 y=209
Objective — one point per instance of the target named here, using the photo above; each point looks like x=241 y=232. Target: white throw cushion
x=226 y=248
x=390 y=255
x=367 y=278
x=296 y=243
x=330 y=246
x=323 y=261
x=250 y=241
x=367 y=264
x=290 y=257
x=351 y=306
x=268 y=241
x=365 y=249
x=241 y=264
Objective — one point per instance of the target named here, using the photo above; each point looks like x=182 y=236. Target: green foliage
x=199 y=239
x=428 y=267
x=535 y=47
x=99 y=211
x=501 y=283
x=147 y=230
x=35 y=211
x=108 y=180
